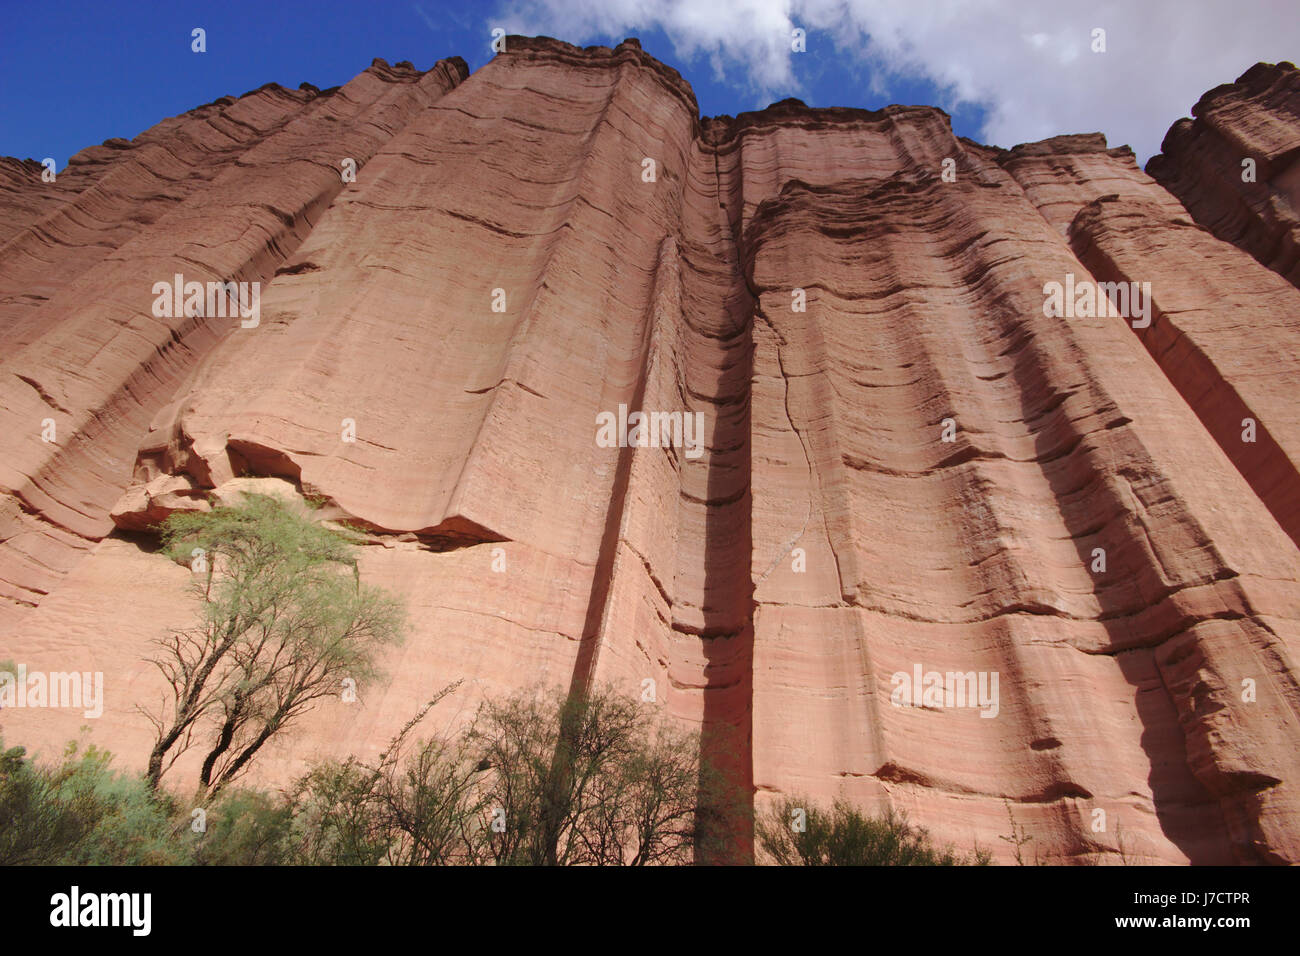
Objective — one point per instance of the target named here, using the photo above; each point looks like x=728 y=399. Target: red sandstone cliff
x=1236 y=166
x=917 y=469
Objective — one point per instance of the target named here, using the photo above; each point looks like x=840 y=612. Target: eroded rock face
x=1236 y=166
x=905 y=465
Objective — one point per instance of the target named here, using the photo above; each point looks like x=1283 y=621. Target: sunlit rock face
x=782 y=423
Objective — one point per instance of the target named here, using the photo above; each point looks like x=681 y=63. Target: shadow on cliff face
x=726 y=634
x=727 y=738
x=148 y=542
x=727 y=606
x=1188 y=814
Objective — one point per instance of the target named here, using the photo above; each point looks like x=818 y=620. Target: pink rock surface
x=84 y=349
x=1236 y=166
x=914 y=470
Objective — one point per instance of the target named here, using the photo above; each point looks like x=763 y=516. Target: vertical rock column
x=1236 y=166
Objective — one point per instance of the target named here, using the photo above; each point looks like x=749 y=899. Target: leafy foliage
x=79 y=812
x=284 y=619
x=533 y=780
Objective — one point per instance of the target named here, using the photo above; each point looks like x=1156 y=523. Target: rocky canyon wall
x=906 y=466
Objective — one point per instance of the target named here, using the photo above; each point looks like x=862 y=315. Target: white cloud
x=1028 y=62
x=750 y=36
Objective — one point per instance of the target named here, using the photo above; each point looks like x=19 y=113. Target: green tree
x=284 y=619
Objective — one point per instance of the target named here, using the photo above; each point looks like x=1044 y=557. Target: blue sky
x=74 y=73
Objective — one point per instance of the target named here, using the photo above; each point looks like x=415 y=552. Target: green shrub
x=798 y=833
x=80 y=812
